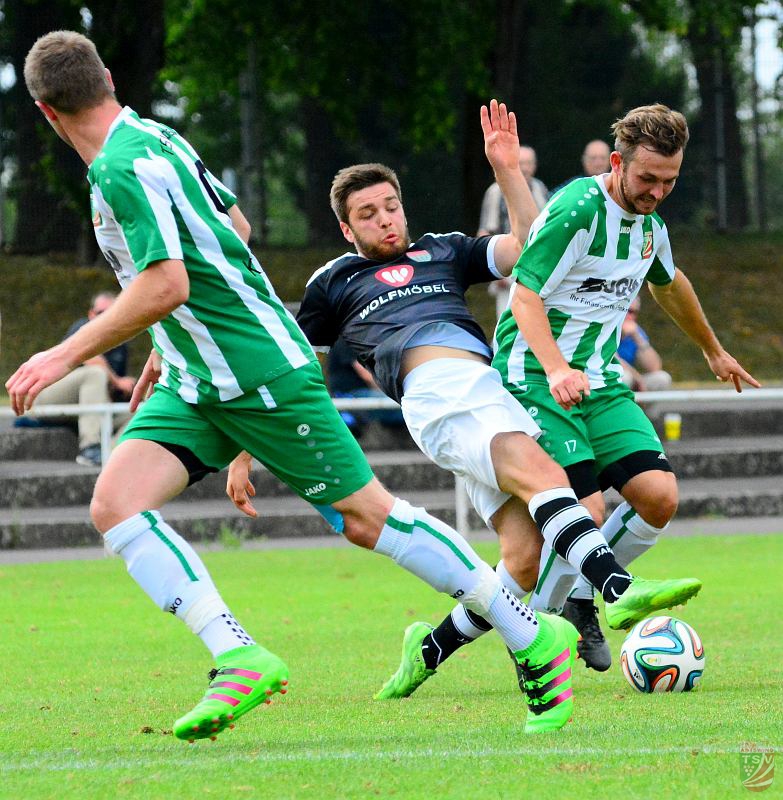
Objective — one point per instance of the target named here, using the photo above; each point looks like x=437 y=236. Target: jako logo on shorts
x=395 y=276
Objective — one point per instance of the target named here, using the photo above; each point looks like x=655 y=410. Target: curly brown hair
x=656 y=127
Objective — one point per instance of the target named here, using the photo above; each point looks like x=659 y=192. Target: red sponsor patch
x=399 y=275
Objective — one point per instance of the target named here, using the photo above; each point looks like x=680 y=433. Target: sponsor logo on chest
x=399 y=275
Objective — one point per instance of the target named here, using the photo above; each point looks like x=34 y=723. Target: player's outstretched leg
x=546 y=667
x=172 y=574
x=413 y=670
x=244 y=678
x=630 y=536
x=437 y=554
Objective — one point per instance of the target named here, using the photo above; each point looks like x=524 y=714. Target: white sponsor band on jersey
x=395 y=294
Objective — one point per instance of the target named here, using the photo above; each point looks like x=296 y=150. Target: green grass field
x=96 y=676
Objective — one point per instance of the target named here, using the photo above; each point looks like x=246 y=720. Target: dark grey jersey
x=378 y=306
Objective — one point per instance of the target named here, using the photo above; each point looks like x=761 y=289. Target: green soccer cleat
x=643 y=597
x=412 y=671
x=545 y=667
x=245 y=677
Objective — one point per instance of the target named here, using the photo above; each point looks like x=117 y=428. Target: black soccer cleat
x=593 y=648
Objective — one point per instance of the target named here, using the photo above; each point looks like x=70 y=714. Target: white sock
x=555 y=579
x=438 y=555
x=508 y=580
x=174 y=577
x=461 y=618
x=464 y=624
x=633 y=536
x=513 y=620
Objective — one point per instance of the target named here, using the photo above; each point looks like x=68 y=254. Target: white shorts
x=453 y=408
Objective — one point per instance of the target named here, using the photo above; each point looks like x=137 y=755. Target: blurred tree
x=370 y=82
x=713 y=30
x=47 y=172
x=49 y=186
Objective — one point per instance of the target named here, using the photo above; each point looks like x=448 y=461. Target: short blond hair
x=656 y=127
x=63 y=70
x=355 y=178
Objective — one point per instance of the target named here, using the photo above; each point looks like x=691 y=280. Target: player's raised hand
x=150 y=375
x=238 y=485
x=41 y=370
x=501 y=142
x=726 y=368
x=568 y=387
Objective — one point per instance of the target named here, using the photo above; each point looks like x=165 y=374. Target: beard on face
x=630 y=201
x=382 y=251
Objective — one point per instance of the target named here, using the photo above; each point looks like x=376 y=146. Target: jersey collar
x=601 y=181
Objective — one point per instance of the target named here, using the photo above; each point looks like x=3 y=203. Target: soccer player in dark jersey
x=401 y=308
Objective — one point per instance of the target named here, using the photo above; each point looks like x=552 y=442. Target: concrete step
x=736 y=416
x=210 y=520
x=61 y=443
x=31 y=484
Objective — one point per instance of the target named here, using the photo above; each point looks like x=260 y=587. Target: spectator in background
x=494 y=216
x=642 y=366
x=346 y=377
x=101 y=379
x=595 y=161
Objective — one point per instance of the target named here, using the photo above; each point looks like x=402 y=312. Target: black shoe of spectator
x=90 y=456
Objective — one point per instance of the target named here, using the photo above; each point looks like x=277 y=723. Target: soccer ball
x=662 y=654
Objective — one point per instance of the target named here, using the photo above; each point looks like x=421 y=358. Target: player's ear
x=616 y=160
x=347 y=232
x=109 y=78
x=47 y=111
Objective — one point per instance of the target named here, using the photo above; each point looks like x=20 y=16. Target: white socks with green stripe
x=437 y=554
x=628 y=535
x=169 y=571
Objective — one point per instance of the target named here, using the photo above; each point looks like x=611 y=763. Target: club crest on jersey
x=395 y=276
x=419 y=255
x=647 y=244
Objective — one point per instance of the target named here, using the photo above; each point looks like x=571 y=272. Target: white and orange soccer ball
x=662 y=654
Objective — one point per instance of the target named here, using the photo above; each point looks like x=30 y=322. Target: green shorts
x=605 y=427
x=290 y=425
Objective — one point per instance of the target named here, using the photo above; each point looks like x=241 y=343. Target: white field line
x=222 y=756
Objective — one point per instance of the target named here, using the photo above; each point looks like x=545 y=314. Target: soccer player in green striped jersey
x=231 y=371
x=587 y=256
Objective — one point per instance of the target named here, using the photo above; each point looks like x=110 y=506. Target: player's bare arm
x=240 y=223
x=501 y=146
x=155 y=293
x=678 y=299
x=567 y=385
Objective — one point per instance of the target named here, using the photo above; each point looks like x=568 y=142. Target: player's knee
x=104 y=513
x=658 y=510
x=361 y=530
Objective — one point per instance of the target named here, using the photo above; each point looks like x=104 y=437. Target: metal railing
x=681 y=398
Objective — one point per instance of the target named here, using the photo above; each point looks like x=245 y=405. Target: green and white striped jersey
x=152 y=199
x=587 y=259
